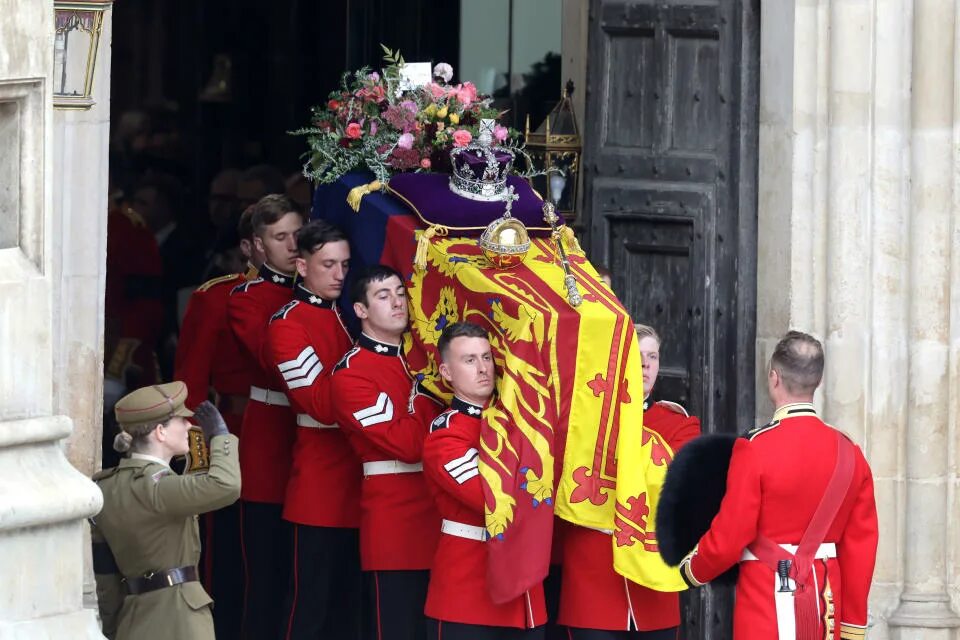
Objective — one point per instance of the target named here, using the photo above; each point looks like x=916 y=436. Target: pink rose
x=354 y=130
x=461 y=138
x=405 y=141
x=373 y=127
x=374 y=77
x=410 y=106
x=425 y=163
x=500 y=133
x=465 y=93
x=436 y=90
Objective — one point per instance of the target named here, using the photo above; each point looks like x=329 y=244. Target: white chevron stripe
x=381 y=411
x=307 y=379
x=377 y=407
x=299 y=360
x=464 y=467
x=293 y=374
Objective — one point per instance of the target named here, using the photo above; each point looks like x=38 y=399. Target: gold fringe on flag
x=570 y=239
x=356 y=194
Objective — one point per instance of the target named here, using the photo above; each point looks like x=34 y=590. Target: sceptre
x=557 y=183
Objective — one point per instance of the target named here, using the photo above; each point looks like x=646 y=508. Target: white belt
x=268 y=396
x=387 y=467
x=304 y=420
x=824 y=551
x=460 y=530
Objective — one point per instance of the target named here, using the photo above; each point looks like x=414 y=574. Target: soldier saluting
x=149 y=518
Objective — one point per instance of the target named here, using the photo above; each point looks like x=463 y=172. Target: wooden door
x=670 y=161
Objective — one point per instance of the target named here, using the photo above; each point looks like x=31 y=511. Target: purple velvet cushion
x=429 y=196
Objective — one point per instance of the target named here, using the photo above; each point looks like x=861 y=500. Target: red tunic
x=307 y=338
x=385 y=415
x=458 y=578
x=268 y=429
x=593 y=594
x=777 y=476
x=208 y=355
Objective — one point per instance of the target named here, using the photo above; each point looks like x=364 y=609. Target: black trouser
x=551 y=597
x=393 y=609
x=221 y=563
x=439 y=630
x=265 y=539
x=596 y=634
x=323 y=600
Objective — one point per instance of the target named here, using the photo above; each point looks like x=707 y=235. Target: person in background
x=597 y=603
x=210 y=363
x=269 y=426
x=298 y=190
x=259 y=181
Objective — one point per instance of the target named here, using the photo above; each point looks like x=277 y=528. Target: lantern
x=556 y=145
x=76 y=39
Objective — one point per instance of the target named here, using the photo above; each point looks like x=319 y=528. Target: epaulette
x=419 y=389
x=157 y=473
x=209 y=283
x=104 y=473
x=673 y=406
x=753 y=433
x=344 y=362
x=284 y=310
x=442 y=421
x=135 y=218
x=245 y=286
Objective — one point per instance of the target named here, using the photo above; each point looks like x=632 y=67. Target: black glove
x=210 y=420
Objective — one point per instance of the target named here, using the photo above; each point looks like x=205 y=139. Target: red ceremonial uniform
x=208 y=355
x=307 y=338
x=268 y=427
x=386 y=414
x=594 y=595
x=777 y=477
x=458 y=578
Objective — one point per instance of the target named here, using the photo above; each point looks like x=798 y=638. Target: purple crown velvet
x=430 y=197
x=480 y=171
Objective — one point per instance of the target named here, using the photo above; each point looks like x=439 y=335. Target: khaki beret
x=154 y=404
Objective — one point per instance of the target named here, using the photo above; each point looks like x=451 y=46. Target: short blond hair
x=646 y=331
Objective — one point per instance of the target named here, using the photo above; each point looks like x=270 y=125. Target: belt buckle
x=169 y=580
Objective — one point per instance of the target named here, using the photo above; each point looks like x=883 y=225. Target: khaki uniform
x=149 y=522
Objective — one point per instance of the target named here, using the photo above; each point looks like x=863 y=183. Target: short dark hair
x=169 y=190
x=459 y=330
x=312 y=236
x=374 y=273
x=798 y=358
x=269 y=209
x=245 y=224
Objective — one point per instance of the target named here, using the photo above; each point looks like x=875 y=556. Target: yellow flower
x=431 y=110
x=454 y=118
x=442 y=113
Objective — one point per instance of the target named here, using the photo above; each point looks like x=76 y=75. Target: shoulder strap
x=769 y=552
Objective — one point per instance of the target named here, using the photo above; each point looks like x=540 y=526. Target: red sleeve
x=305 y=368
x=857 y=553
x=202 y=323
x=450 y=462
x=363 y=408
x=735 y=525
x=687 y=430
x=248 y=321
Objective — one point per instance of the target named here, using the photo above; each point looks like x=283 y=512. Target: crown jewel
x=480 y=169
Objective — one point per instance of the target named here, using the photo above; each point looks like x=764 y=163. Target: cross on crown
x=510 y=197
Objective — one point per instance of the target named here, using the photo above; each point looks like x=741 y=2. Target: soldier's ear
x=445 y=372
x=246 y=248
x=301 y=267
x=360 y=310
x=258 y=243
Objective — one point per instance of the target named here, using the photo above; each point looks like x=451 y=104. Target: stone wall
x=859 y=243
x=44 y=500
